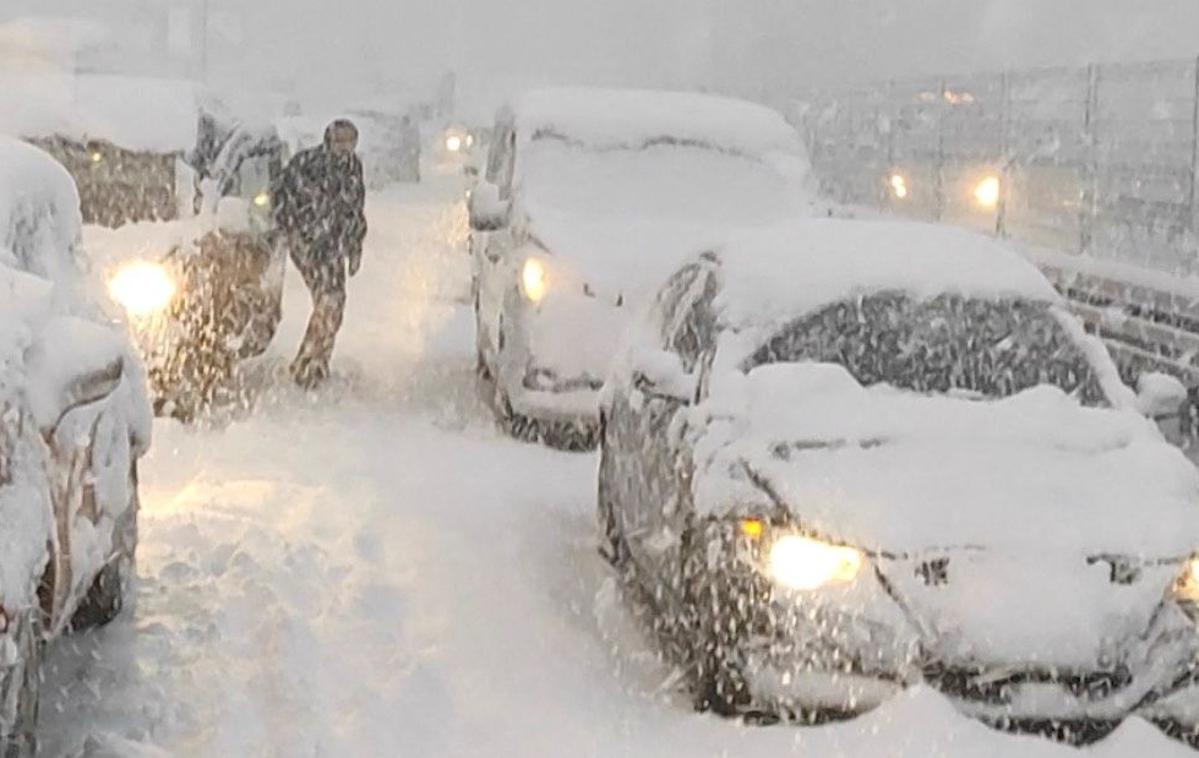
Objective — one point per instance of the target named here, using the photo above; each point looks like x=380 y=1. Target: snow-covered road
x=375 y=571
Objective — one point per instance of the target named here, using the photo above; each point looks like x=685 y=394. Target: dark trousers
x=324 y=273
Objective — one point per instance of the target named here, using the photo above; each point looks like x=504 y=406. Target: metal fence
x=1102 y=160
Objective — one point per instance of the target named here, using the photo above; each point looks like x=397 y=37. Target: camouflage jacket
x=322 y=200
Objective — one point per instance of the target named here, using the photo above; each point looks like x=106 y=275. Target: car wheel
x=1186 y=733
x=612 y=547
x=718 y=678
x=20 y=685
x=481 y=368
x=112 y=588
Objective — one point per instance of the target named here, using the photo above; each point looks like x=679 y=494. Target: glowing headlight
x=1186 y=588
x=262 y=199
x=453 y=143
x=142 y=289
x=802 y=563
x=986 y=192
x=533 y=281
x=899 y=186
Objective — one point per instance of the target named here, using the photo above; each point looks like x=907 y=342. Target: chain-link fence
x=1102 y=160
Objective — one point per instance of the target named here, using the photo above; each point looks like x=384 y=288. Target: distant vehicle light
x=142 y=288
x=986 y=192
x=262 y=199
x=803 y=563
x=97 y=157
x=453 y=143
x=1186 y=588
x=899 y=186
x=533 y=280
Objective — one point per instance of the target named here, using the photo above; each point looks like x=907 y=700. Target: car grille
x=978 y=685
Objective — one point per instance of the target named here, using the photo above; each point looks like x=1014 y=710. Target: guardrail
x=1100 y=164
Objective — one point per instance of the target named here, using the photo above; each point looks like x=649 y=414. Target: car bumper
x=578 y=407
x=851 y=649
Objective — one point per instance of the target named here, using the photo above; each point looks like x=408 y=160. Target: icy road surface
x=375 y=571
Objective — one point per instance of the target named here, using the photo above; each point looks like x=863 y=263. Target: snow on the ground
x=374 y=570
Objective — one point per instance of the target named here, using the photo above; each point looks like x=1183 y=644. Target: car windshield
x=979 y=348
x=659 y=180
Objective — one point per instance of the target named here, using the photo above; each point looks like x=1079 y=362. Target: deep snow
x=375 y=570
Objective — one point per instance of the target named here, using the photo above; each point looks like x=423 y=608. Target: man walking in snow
x=319 y=203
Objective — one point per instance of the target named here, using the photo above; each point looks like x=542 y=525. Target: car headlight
x=986 y=192
x=533 y=281
x=262 y=199
x=800 y=562
x=1186 y=586
x=453 y=143
x=899 y=186
x=142 y=288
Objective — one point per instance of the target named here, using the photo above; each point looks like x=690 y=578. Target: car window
x=991 y=348
x=670 y=298
x=695 y=325
x=495 y=156
x=501 y=159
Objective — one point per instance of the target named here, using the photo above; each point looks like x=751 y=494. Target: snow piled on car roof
x=136 y=113
x=776 y=274
x=34 y=184
x=618 y=118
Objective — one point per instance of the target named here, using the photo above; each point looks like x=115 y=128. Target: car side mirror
x=660 y=374
x=1162 y=398
x=488 y=212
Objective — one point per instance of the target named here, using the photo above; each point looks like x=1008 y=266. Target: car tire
x=112 y=590
x=718 y=681
x=482 y=370
x=20 y=690
x=1186 y=733
x=612 y=546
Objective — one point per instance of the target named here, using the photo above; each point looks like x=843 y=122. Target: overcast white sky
x=340 y=46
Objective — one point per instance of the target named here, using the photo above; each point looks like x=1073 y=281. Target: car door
x=652 y=429
x=492 y=274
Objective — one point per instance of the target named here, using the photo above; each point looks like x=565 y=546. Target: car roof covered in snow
x=135 y=113
x=35 y=186
x=617 y=118
x=779 y=273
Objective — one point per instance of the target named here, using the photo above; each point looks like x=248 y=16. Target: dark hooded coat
x=319 y=202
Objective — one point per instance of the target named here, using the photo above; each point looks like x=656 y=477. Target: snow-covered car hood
x=901 y=472
x=621 y=220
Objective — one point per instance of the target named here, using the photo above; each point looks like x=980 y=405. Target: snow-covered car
x=839 y=457
x=74 y=419
x=588 y=195
x=462 y=147
x=120 y=137
x=212 y=295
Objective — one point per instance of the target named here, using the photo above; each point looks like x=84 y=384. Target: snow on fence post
x=1194 y=192
x=939 y=175
x=1090 y=162
x=1004 y=153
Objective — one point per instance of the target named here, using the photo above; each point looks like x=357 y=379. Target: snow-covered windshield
x=987 y=348
x=660 y=180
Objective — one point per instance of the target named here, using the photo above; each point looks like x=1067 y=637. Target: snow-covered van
x=589 y=197
x=74 y=419
x=840 y=457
